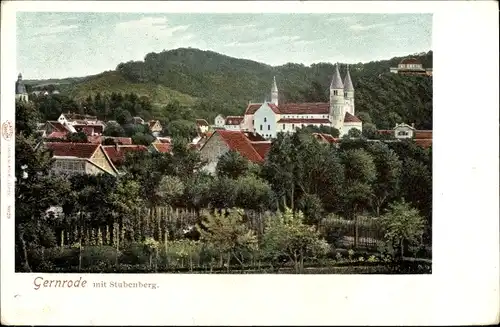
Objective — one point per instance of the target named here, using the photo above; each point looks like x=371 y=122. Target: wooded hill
x=189 y=75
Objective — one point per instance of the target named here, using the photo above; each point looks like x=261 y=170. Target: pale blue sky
x=56 y=45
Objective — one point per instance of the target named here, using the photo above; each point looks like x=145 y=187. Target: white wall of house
x=247 y=123
x=265 y=121
x=233 y=127
x=403 y=131
x=347 y=126
x=22 y=97
x=219 y=121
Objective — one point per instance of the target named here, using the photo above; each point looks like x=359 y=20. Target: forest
x=362 y=207
x=205 y=83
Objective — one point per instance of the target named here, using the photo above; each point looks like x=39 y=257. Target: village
x=250 y=134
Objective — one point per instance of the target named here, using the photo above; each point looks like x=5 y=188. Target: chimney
x=117 y=148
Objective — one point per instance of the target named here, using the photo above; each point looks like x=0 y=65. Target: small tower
x=21 y=93
x=274 y=92
x=337 y=101
x=349 y=92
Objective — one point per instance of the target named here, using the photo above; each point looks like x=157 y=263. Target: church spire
x=274 y=92
x=348 y=82
x=336 y=79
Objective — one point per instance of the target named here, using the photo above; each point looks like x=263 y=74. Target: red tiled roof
x=96 y=139
x=425 y=143
x=117 y=153
x=274 y=108
x=57 y=126
x=262 y=148
x=88 y=129
x=237 y=141
x=349 y=118
x=385 y=131
x=252 y=108
x=201 y=122
x=254 y=137
x=233 y=120
x=66 y=149
x=304 y=121
x=326 y=137
x=57 y=135
x=423 y=134
x=314 y=108
x=163 y=147
x=410 y=61
x=163 y=140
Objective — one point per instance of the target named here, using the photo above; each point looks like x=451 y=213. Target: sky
x=65 y=44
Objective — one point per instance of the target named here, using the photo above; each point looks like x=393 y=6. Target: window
x=293 y=126
x=283 y=126
x=403 y=133
x=268 y=127
x=260 y=127
x=253 y=122
x=265 y=119
x=345 y=94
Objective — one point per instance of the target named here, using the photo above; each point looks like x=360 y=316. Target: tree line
x=301 y=183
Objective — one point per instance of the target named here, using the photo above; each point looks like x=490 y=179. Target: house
x=70 y=118
x=325 y=138
x=403 y=131
x=21 y=93
x=202 y=126
x=411 y=66
x=98 y=139
x=137 y=120
x=87 y=124
x=220 y=121
x=55 y=126
x=233 y=123
x=223 y=141
x=155 y=127
x=161 y=147
x=165 y=139
x=80 y=158
x=271 y=118
x=117 y=153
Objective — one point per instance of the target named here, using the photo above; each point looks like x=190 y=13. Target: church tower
x=337 y=101
x=21 y=93
x=274 y=92
x=349 y=92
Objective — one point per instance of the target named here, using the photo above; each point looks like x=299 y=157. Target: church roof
x=349 y=118
x=336 y=80
x=348 y=82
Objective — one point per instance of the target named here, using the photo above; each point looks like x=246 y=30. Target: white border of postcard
x=464 y=285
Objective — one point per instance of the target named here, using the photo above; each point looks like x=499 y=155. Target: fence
x=162 y=223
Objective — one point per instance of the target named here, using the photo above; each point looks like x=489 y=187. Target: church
x=21 y=93
x=270 y=118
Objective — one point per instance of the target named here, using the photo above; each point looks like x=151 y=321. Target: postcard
x=248 y=163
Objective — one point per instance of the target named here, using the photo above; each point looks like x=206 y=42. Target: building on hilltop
x=271 y=118
x=21 y=93
x=411 y=66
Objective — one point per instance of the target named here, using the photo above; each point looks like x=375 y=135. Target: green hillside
x=212 y=83
x=115 y=82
